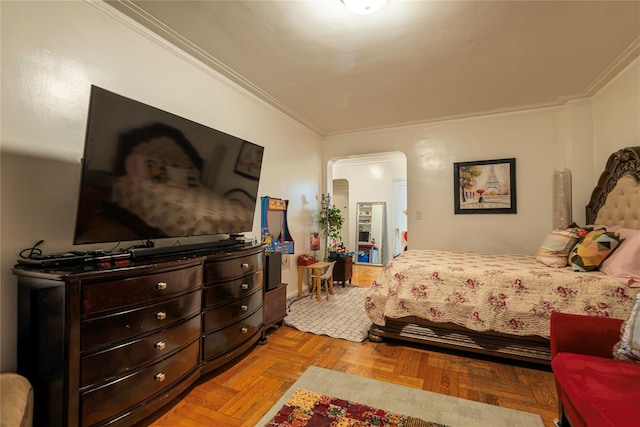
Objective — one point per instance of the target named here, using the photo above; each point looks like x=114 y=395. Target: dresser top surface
x=139 y=265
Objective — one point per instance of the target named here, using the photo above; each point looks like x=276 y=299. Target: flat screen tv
x=149 y=174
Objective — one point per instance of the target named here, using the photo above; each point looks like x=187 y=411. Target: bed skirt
x=448 y=335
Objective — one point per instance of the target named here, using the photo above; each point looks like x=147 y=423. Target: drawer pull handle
x=245 y=265
x=159 y=377
x=244 y=308
x=161 y=285
x=160 y=345
x=245 y=286
x=244 y=330
x=161 y=315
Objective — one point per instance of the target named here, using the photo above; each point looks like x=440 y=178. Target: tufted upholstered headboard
x=616 y=198
x=161 y=134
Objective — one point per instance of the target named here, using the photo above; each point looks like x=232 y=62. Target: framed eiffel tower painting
x=485 y=187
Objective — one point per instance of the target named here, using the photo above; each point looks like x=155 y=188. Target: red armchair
x=594 y=390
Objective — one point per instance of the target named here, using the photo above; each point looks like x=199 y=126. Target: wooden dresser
x=233 y=302
x=110 y=346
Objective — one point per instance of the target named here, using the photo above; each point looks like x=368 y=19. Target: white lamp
x=364 y=7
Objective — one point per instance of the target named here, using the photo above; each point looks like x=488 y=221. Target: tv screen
x=149 y=174
x=363 y=236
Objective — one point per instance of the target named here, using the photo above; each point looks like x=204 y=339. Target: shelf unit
x=364 y=222
x=371 y=233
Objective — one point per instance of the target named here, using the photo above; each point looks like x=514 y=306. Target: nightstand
x=343 y=270
x=275 y=306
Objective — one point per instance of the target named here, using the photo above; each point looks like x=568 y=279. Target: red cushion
x=598 y=392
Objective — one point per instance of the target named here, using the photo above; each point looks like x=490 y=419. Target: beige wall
x=616 y=111
x=579 y=136
x=432 y=149
x=51 y=53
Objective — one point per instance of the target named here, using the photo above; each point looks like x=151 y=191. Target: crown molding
x=160 y=33
x=156 y=31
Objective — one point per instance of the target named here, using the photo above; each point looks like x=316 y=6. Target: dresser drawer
x=222 y=316
x=124 y=325
x=97 y=297
x=127 y=357
x=216 y=271
x=229 y=291
x=226 y=339
x=113 y=399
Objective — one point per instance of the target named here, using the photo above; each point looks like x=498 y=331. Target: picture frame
x=485 y=187
x=314 y=241
x=249 y=161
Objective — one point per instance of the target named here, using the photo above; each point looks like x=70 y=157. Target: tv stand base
x=147 y=251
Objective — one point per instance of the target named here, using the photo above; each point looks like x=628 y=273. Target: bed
x=500 y=304
x=159 y=188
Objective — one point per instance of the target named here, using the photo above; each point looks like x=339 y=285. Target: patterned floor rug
x=419 y=405
x=343 y=316
x=306 y=409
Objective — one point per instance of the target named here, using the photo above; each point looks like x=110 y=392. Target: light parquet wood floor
x=239 y=394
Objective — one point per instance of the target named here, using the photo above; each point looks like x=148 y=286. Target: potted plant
x=331 y=220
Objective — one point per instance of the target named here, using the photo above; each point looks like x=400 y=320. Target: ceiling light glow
x=364 y=7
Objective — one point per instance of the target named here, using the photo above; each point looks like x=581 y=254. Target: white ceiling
x=412 y=62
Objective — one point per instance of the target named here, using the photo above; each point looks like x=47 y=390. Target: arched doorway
x=371 y=178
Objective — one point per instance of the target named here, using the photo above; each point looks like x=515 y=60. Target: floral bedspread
x=505 y=293
x=180 y=211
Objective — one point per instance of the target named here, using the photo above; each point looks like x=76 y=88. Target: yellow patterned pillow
x=596 y=246
x=157 y=170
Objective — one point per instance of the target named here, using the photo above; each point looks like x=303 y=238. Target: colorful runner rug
x=309 y=409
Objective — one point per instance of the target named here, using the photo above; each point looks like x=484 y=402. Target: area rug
x=306 y=409
x=420 y=404
x=343 y=316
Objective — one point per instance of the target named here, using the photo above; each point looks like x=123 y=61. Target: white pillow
x=628 y=348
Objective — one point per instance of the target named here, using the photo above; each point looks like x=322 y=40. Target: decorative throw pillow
x=555 y=248
x=624 y=262
x=582 y=231
x=628 y=348
x=136 y=165
x=596 y=246
x=181 y=176
x=157 y=170
x=177 y=176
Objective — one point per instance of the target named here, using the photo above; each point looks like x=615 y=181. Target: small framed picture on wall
x=249 y=161
x=314 y=241
x=485 y=186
